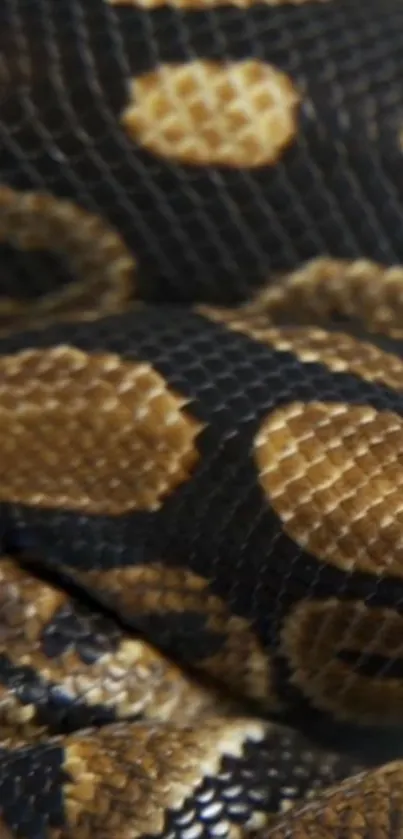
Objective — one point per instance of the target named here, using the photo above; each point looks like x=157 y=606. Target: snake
x=201 y=419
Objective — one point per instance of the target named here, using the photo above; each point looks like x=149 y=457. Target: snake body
x=201 y=630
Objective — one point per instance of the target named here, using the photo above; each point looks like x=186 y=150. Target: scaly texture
x=201 y=440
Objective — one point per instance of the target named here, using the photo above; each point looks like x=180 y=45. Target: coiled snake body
x=201 y=508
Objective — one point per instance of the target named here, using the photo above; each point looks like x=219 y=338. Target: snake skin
x=201 y=419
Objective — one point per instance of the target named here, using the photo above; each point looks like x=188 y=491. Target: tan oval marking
x=91 y=432
x=95 y=253
x=312 y=638
x=333 y=473
x=209 y=113
x=366 y=291
x=241 y=662
x=369 y=803
x=126 y=777
x=337 y=351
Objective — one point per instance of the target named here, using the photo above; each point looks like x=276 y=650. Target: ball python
x=201 y=294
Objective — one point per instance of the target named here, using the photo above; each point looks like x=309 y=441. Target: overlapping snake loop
x=202 y=554
x=201 y=419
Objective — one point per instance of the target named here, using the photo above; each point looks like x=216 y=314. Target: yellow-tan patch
x=91 y=433
x=26 y=606
x=337 y=351
x=124 y=779
x=333 y=473
x=156 y=589
x=365 y=291
x=241 y=114
x=130 y=680
x=313 y=639
x=102 y=266
x=17 y=721
x=139 y=680
x=367 y=804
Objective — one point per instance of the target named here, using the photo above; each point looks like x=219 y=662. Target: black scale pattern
x=208 y=233
x=31 y=787
x=198 y=234
x=219 y=525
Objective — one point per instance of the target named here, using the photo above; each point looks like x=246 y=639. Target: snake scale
x=201 y=419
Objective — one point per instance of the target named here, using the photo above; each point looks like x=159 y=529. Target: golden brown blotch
x=91 y=433
x=131 y=678
x=103 y=267
x=18 y=725
x=314 y=639
x=339 y=352
x=210 y=113
x=146 y=683
x=333 y=473
x=26 y=606
x=367 y=805
x=365 y=291
x=240 y=662
x=124 y=778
